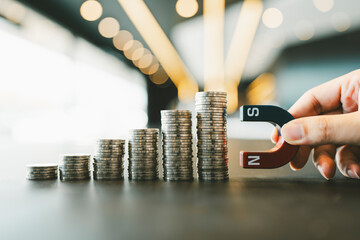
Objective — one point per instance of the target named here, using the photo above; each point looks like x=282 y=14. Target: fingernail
x=293 y=132
x=351 y=173
x=322 y=172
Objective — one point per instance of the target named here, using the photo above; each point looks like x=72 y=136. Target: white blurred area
x=56 y=88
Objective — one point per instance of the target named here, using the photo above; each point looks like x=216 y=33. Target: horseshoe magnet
x=282 y=152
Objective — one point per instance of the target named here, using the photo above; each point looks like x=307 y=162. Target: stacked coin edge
x=177 y=152
x=73 y=167
x=42 y=171
x=143 y=154
x=212 y=149
x=109 y=159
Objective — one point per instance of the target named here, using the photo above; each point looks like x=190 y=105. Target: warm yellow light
x=304 y=30
x=121 y=39
x=138 y=53
x=130 y=47
x=262 y=89
x=145 y=61
x=109 y=27
x=214 y=11
x=272 y=18
x=248 y=21
x=91 y=10
x=324 y=5
x=160 y=45
x=15 y=12
x=145 y=52
x=341 y=21
x=187 y=8
x=153 y=68
x=160 y=77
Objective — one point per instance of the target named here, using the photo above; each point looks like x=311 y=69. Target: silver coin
x=142 y=159
x=177 y=142
x=142 y=132
x=42 y=178
x=74 y=178
x=220 y=103
x=107 y=177
x=211 y=93
x=166 y=135
x=103 y=159
x=42 y=165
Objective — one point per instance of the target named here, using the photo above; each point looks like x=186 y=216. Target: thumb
x=324 y=129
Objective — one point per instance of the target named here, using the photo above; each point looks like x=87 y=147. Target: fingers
x=321 y=99
x=275 y=136
x=324 y=160
x=301 y=158
x=348 y=161
x=326 y=129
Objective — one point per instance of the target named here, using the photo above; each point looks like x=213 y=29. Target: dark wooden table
x=277 y=204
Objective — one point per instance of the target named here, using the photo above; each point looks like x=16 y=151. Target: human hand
x=327 y=117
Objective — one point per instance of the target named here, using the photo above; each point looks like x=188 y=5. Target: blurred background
x=73 y=71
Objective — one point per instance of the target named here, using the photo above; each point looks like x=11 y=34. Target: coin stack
x=143 y=154
x=42 y=172
x=212 y=162
x=177 y=145
x=108 y=161
x=74 y=167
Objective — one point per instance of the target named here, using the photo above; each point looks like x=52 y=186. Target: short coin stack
x=74 y=167
x=143 y=154
x=42 y=172
x=211 y=136
x=108 y=161
x=177 y=150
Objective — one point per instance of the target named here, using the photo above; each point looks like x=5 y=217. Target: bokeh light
x=91 y=10
x=304 y=30
x=145 y=52
x=130 y=47
x=145 y=61
x=341 y=21
x=138 y=53
x=160 y=77
x=121 y=39
x=187 y=8
x=153 y=68
x=15 y=13
x=272 y=18
x=324 y=5
x=109 y=27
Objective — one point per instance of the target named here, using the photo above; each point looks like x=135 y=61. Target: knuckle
x=324 y=129
x=313 y=101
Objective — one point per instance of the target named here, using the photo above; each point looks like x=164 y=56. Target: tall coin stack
x=42 y=172
x=108 y=161
x=74 y=167
x=212 y=151
x=177 y=142
x=143 y=154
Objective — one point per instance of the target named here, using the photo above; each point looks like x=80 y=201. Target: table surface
x=276 y=204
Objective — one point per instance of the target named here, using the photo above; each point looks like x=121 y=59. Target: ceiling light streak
x=214 y=11
x=248 y=22
x=160 y=45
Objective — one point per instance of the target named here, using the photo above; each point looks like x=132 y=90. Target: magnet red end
x=278 y=156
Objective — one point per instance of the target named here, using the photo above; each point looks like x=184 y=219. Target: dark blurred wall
x=302 y=67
